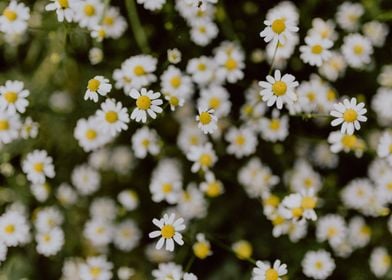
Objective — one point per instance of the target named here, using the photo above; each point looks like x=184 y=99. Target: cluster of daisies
x=185 y=178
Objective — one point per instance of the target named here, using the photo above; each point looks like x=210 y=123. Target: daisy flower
x=264 y=271
x=152 y=5
x=380 y=261
x=9 y=127
x=207 y=121
x=114 y=23
x=202 y=247
x=211 y=186
x=318 y=264
x=169 y=231
x=348 y=15
x=331 y=227
x=136 y=72
x=217 y=98
x=126 y=235
x=174 y=56
x=316 y=50
x=203 y=31
x=29 y=129
x=50 y=243
x=88 y=13
x=242 y=141
x=85 y=179
x=64 y=9
x=231 y=64
x=278 y=89
x=376 y=32
x=145 y=141
x=147 y=102
x=167 y=271
x=349 y=114
x=242 y=249
x=113 y=117
x=175 y=82
x=357 y=50
x=14 y=18
x=89 y=135
x=97 y=85
x=384 y=149
x=278 y=30
x=13 y=97
x=37 y=166
x=202 y=69
x=276 y=128
x=345 y=142
x=203 y=157
x=96 y=268
x=14 y=229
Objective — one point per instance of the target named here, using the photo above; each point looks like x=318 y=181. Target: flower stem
x=136 y=26
x=273 y=59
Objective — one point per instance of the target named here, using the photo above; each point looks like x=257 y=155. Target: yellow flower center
x=274 y=124
x=231 y=64
x=38 y=167
x=271 y=274
x=9 y=229
x=201 y=67
x=95 y=271
x=89 y=10
x=311 y=95
x=201 y=250
x=358 y=49
x=279 y=88
x=297 y=212
x=308 y=202
x=317 y=49
x=139 y=70
x=350 y=115
x=213 y=189
x=63 y=4
x=167 y=231
x=214 y=102
x=240 y=140
x=4 y=125
x=365 y=230
x=143 y=102
x=46 y=237
x=145 y=143
x=386 y=260
x=111 y=117
x=278 y=26
x=278 y=220
x=349 y=141
x=108 y=20
x=194 y=140
x=331 y=232
x=167 y=188
x=318 y=265
x=202 y=29
x=331 y=95
x=205 y=160
x=10 y=14
x=272 y=200
x=243 y=250
x=390 y=148
x=175 y=81
x=11 y=96
x=308 y=182
x=91 y=134
x=205 y=118
x=174 y=101
x=93 y=84
x=101 y=33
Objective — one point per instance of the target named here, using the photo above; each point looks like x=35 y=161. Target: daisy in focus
x=113 y=117
x=169 y=231
x=264 y=271
x=349 y=114
x=64 y=9
x=14 y=18
x=95 y=86
x=207 y=121
x=147 y=102
x=278 y=30
x=279 y=89
x=13 y=97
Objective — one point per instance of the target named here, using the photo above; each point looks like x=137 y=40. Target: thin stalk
x=136 y=26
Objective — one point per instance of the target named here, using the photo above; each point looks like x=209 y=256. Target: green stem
x=225 y=22
x=273 y=59
x=189 y=264
x=136 y=26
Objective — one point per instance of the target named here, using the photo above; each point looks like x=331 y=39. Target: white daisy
x=357 y=50
x=318 y=264
x=207 y=121
x=169 y=231
x=49 y=243
x=14 y=18
x=64 y=9
x=242 y=141
x=152 y=5
x=85 y=179
x=264 y=271
x=203 y=157
x=14 y=229
x=9 y=127
x=96 y=268
x=37 y=166
x=384 y=149
x=126 y=235
x=97 y=85
x=113 y=117
x=13 y=97
x=147 y=102
x=88 y=13
x=349 y=114
x=278 y=30
x=145 y=141
x=279 y=89
x=316 y=50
